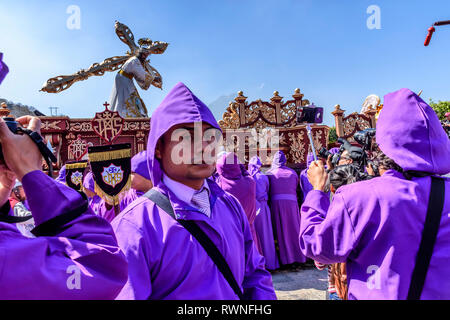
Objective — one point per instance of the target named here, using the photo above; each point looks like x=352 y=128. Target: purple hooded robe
x=263 y=221
x=62 y=175
x=284 y=209
x=47 y=267
x=165 y=262
x=376 y=225
x=95 y=201
x=234 y=179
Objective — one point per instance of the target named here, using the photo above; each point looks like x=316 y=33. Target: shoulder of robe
x=136 y=213
x=359 y=192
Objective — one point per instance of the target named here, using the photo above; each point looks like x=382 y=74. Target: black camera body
x=309 y=114
x=365 y=137
x=324 y=153
x=13 y=126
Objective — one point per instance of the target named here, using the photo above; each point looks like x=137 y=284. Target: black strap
x=163 y=202
x=4 y=217
x=429 y=234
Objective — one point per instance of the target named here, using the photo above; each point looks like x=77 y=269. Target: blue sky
x=218 y=47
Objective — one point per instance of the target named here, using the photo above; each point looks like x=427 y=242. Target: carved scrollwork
x=230 y=119
x=297 y=146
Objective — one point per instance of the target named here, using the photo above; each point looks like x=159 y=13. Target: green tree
x=441 y=108
x=332 y=138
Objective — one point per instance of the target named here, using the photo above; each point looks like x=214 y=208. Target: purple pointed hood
x=3 y=68
x=88 y=182
x=254 y=165
x=279 y=160
x=228 y=166
x=179 y=106
x=409 y=132
x=139 y=164
x=62 y=174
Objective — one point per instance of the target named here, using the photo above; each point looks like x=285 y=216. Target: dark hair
x=342 y=175
x=383 y=161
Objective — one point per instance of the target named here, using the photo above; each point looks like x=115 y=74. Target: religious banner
x=108 y=125
x=111 y=169
x=78 y=148
x=75 y=174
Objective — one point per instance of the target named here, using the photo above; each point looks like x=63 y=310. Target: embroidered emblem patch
x=112 y=175
x=76 y=178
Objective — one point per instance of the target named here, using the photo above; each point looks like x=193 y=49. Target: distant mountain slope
x=19 y=110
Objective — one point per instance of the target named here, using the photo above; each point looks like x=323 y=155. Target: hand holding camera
x=20 y=153
x=317 y=175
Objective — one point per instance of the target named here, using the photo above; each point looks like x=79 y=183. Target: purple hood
x=229 y=167
x=3 y=68
x=88 y=182
x=62 y=174
x=139 y=164
x=279 y=160
x=254 y=165
x=179 y=106
x=409 y=132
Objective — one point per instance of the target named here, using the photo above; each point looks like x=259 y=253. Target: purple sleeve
x=326 y=232
x=131 y=241
x=257 y=284
x=81 y=261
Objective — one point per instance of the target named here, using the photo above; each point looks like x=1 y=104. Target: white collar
x=182 y=191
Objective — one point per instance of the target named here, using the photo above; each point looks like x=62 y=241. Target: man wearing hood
x=376 y=225
x=165 y=260
x=285 y=209
x=234 y=179
x=263 y=220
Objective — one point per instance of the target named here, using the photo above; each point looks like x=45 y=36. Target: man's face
x=188 y=151
x=345 y=158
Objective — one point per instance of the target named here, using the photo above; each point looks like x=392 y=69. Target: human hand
x=7 y=181
x=330 y=165
x=317 y=175
x=20 y=153
x=370 y=170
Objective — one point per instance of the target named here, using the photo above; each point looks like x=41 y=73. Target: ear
x=158 y=150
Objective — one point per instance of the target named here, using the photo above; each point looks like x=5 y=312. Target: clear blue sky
x=218 y=47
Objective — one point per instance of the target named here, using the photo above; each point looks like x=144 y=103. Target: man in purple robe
x=73 y=255
x=165 y=261
x=234 y=179
x=285 y=210
x=376 y=225
x=140 y=184
x=263 y=221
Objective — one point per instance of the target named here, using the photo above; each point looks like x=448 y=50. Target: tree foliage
x=441 y=108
